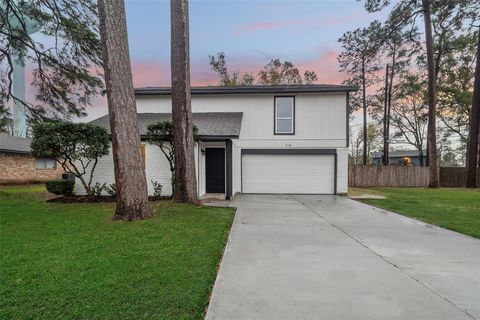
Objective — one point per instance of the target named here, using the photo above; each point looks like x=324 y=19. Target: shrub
x=97 y=189
x=111 y=189
x=77 y=147
x=60 y=187
x=157 y=189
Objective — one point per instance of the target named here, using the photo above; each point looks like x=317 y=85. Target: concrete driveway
x=328 y=257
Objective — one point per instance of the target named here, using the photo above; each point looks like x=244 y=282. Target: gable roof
x=270 y=89
x=399 y=154
x=14 y=144
x=209 y=124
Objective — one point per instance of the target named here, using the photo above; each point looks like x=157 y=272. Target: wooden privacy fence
x=387 y=176
x=455 y=177
x=399 y=176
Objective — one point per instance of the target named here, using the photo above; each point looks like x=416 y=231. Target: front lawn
x=454 y=209
x=72 y=261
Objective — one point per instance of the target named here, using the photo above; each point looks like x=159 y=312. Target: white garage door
x=288 y=173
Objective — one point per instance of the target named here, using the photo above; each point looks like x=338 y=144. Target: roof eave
x=246 y=90
x=144 y=137
x=14 y=151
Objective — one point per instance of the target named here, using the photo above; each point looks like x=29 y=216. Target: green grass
x=72 y=261
x=454 y=209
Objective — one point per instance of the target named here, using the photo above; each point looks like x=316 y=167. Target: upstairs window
x=45 y=164
x=284 y=115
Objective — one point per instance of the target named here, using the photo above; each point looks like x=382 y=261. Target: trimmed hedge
x=60 y=187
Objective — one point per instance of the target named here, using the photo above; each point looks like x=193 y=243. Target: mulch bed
x=85 y=199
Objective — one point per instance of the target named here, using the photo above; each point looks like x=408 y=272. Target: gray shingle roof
x=256 y=89
x=209 y=124
x=399 y=154
x=14 y=144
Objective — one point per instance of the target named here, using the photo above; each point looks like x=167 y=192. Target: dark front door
x=215 y=170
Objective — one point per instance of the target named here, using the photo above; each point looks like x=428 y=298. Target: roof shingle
x=225 y=124
x=14 y=144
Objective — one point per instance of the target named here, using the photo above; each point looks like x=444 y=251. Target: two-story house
x=253 y=139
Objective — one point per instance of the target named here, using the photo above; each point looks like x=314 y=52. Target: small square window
x=45 y=164
x=284 y=115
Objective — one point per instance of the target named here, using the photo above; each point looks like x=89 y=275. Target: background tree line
x=420 y=79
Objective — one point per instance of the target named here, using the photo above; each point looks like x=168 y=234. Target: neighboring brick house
x=18 y=166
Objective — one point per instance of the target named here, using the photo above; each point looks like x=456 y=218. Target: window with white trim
x=45 y=164
x=284 y=115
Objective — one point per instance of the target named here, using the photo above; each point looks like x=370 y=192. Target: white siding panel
x=290 y=173
x=103 y=174
x=156 y=169
x=342 y=171
x=317 y=116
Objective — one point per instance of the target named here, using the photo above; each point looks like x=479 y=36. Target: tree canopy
x=275 y=72
x=77 y=147
x=66 y=62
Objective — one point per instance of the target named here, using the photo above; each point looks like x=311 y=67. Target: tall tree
x=432 y=96
x=437 y=15
x=455 y=86
x=130 y=180
x=359 y=49
x=66 y=74
x=473 y=145
x=410 y=113
x=186 y=183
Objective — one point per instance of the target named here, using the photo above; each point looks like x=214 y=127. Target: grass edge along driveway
x=457 y=209
x=72 y=261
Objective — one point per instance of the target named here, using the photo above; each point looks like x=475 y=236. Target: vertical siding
x=342 y=170
x=156 y=169
x=317 y=116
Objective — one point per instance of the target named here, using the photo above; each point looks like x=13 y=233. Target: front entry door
x=215 y=170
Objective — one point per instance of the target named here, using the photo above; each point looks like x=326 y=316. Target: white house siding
x=320 y=122
x=156 y=169
x=317 y=116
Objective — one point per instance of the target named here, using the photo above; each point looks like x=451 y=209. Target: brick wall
x=18 y=168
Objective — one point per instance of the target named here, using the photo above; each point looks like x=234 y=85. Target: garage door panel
x=262 y=173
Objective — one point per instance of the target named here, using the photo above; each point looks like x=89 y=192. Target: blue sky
x=251 y=33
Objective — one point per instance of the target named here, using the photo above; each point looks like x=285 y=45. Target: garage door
x=288 y=173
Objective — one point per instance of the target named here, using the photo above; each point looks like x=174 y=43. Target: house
x=18 y=166
x=252 y=139
x=402 y=158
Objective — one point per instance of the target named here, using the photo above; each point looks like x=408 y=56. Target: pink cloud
x=149 y=73
x=308 y=22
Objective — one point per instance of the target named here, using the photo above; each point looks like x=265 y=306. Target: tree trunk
x=389 y=102
x=472 y=153
x=385 y=115
x=364 y=102
x=130 y=181
x=185 y=180
x=431 y=135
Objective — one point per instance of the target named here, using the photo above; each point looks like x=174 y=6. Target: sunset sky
x=251 y=33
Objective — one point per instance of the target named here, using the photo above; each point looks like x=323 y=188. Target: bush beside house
x=76 y=147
